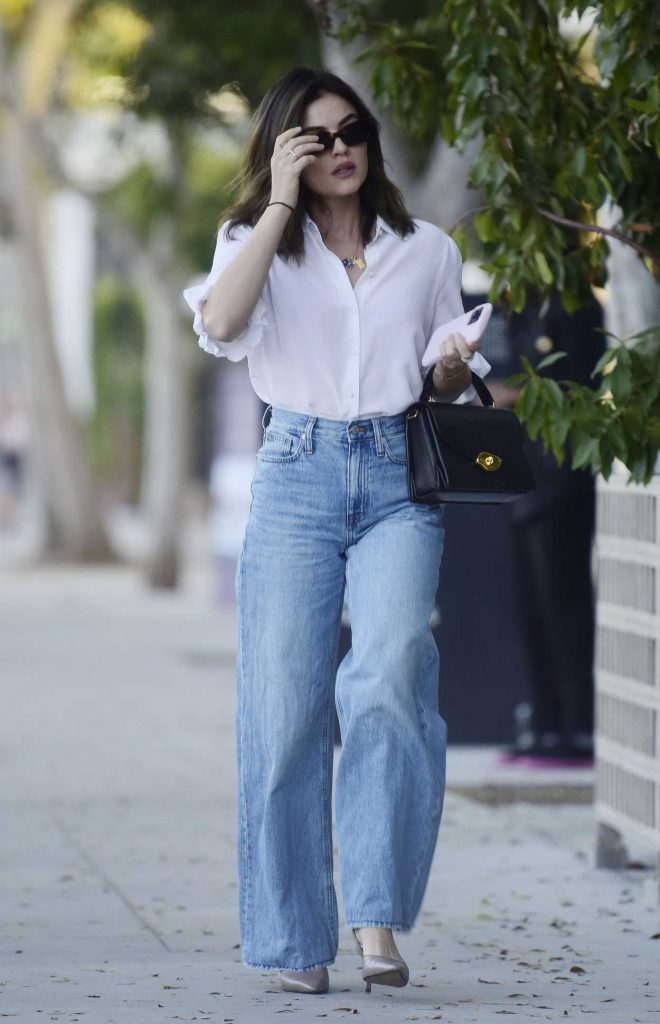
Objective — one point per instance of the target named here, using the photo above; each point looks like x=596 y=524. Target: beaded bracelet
x=278 y=202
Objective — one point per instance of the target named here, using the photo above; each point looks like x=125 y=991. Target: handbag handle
x=479 y=387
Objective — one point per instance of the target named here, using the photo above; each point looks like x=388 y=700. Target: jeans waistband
x=307 y=422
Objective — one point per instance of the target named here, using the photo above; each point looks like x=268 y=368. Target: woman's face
x=332 y=113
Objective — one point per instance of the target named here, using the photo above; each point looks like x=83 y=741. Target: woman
x=324 y=281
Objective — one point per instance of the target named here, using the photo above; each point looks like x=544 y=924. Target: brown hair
x=281 y=108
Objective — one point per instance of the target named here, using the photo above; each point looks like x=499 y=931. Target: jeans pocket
x=395 y=447
x=280 y=445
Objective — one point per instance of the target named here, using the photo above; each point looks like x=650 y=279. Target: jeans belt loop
x=311 y=420
x=378 y=436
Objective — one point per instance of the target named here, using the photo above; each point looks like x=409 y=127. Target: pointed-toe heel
x=316 y=981
x=382 y=970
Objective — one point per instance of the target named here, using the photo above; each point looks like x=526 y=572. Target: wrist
x=443 y=375
x=281 y=204
x=447 y=383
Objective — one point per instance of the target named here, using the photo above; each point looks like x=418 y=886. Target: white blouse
x=316 y=344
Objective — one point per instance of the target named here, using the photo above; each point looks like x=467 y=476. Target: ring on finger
x=290 y=151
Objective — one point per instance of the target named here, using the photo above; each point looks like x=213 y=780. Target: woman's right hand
x=292 y=153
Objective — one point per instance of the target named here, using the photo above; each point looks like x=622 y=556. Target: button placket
x=356 y=345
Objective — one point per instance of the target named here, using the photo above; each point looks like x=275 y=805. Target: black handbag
x=465 y=453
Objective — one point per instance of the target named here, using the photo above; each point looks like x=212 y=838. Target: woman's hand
x=451 y=376
x=292 y=153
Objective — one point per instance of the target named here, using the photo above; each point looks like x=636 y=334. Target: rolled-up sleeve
x=449 y=305
x=197 y=294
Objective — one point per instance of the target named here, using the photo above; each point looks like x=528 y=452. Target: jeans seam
x=420 y=875
x=327 y=837
x=432 y=820
x=390 y=455
x=245 y=916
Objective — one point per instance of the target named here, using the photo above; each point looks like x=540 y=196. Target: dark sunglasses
x=352 y=134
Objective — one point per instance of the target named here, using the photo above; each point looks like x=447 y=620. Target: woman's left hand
x=451 y=373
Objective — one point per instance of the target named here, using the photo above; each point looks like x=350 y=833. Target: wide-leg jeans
x=330 y=514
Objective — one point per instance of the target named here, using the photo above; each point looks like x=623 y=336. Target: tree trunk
x=73 y=528
x=169 y=415
x=634 y=296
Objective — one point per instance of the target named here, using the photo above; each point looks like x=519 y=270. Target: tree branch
x=596 y=228
x=565 y=222
x=464 y=216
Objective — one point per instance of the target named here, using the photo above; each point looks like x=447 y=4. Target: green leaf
x=485 y=227
x=579 y=160
x=553 y=392
x=543 y=268
x=560 y=425
x=530 y=406
x=623 y=161
x=549 y=360
x=518 y=297
x=648 y=332
x=620 y=382
x=606 y=358
x=583 y=451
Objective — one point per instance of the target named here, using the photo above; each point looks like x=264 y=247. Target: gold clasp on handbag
x=488 y=461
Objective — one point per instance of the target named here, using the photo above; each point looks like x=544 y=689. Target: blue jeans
x=329 y=510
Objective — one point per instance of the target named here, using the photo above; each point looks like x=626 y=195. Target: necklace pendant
x=354 y=261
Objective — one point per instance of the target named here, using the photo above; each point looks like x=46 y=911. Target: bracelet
x=278 y=202
x=448 y=378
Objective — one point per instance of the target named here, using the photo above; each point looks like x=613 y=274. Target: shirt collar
x=381 y=225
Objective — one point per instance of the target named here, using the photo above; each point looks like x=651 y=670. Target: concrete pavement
x=118 y=892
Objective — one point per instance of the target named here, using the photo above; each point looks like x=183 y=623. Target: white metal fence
x=627 y=797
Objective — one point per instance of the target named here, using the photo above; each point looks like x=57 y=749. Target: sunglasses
x=352 y=134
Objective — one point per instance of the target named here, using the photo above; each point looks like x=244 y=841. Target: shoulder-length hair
x=281 y=108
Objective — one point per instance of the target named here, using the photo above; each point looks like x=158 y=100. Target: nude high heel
x=305 y=981
x=382 y=970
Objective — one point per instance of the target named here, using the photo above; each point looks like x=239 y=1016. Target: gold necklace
x=354 y=261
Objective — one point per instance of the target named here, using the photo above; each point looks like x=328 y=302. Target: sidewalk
x=117 y=864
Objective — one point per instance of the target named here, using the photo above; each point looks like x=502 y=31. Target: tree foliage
x=194 y=49
x=568 y=122
x=619 y=420
x=174 y=64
